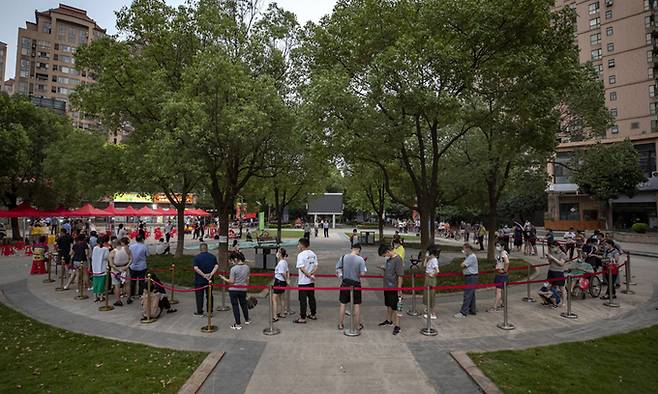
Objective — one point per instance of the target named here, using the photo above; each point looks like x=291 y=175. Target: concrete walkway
x=316 y=357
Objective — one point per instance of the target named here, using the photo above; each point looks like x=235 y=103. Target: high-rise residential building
x=8 y=86
x=3 y=60
x=620 y=39
x=45 y=63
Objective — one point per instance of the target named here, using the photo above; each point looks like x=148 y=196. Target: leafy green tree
x=400 y=90
x=25 y=133
x=606 y=171
x=366 y=190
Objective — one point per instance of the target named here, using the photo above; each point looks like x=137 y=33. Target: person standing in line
x=64 y=243
x=467 y=231
x=80 y=255
x=611 y=255
x=238 y=276
x=119 y=259
x=349 y=269
x=570 y=240
x=138 y=267
x=307 y=264
x=281 y=278
x=557 y=259
x=205 y=265
x=325 y=226
x=470 y=271
x=121 y=232
x=393 y=272
x=39 y=256
x=501 y=268
x=431 y=271
x=307 y=230
x=398 y=248
x=316 y=228
x=506 y=232
x=99 y=263
x=66 y=226
x=167 y=231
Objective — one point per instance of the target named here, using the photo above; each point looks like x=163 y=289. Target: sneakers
x=386 y=323
x=459 y=316
x=129 y=301
x=236 y=327
x=118 y=303
x=197 y=314
x=432 y=316
x=248 y=322
x=396 y=330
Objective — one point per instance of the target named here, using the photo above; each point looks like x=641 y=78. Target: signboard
x=261 y=221
x=161 y=198
x=133 y=197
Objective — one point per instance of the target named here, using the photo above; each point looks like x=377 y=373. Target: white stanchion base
x=272 y=331
x=430 y=332
x=506 y=327
x=569 y=315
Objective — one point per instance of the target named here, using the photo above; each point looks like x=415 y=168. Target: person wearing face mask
x=470 y=270
x=611 y=262
x=502 y=268
x=557 y=261
x=431 y=270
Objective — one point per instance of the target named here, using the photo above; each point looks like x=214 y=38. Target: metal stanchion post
x=428 y=330
x=413 y=311
x=543 y=249
x=61 y=276
x=505 y=325
x=223 y=307
x=50 y=270
x=568 y=314
x=527 y=298
x=611 y=302
x=173 y=285
x=81 y=283
x=149 y=296
x=271 y=330
x=351 y=332
x=209 y=327
x=288 y=311
x=108 y=287
x=629 y=276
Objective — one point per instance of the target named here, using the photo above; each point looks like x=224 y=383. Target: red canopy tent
x=198 y=212
x=146 y=211
x=23 y=210
x=165 y=212
x=249 y=216
x=127 y=211
x=88 y=211
x=60 y=211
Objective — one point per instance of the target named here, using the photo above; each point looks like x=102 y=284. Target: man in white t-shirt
x=307 y=264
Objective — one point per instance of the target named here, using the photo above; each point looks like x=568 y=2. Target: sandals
x=299 y=321
x=312 y=317
x=341 y=327
x=276 y=319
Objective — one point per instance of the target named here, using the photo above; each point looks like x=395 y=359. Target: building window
x=25 y=68
x=609 y=31
x=569 y=211
x=595 y=39
x=612 y=79
x=611 y=47
x=648 y=39
x=593 y=8
x=613 y=112
x=652 y=90
x=609 y=3
x=590 y=214
x=614 y=129
x=647 y=154
x=83 y=37
x=67 y=48
x=650 y=56
x=611 y=63
x=560 y=172
x=599 y=70
x=46 y=27
x=652 y=108
x=613 y=96
x=596 y=54
x=647 y=22
x=608 y=14
x=650 y=73
x=646 y=5
x=594 y=23
x=635 y=125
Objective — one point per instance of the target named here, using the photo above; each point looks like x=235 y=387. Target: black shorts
x=344 y=296
x=556 y=275
x=281 y=283
x=391 y=299
x=67 y=258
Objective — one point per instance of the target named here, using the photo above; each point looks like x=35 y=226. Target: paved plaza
x=317 y=357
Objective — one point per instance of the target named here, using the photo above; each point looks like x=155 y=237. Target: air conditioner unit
x=608 y=3
x=654 y=174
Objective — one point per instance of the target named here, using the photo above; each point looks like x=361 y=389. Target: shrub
x=640 y=228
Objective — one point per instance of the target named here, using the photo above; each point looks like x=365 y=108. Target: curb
x=483 y=382
x=200 y=375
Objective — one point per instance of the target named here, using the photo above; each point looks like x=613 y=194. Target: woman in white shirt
x=431 y=270
x=501 y=268
x=281 y=277
x=99 y=263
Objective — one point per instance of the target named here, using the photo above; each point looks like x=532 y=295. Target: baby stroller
x=582 y=286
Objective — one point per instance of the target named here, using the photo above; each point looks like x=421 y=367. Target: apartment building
x=8 y=86
x=45 y=63
x=3 y=60
x=619 y=38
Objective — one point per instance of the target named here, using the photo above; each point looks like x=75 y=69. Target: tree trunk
x=279 y=224
x=426 y=212
x=380 y=225
x=180 y=234
x=491 y=236
x=222 y=249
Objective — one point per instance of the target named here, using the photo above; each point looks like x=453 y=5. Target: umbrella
x=146 y=211
x=87 y=211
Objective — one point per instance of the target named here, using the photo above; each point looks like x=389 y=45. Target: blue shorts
x=499 y=279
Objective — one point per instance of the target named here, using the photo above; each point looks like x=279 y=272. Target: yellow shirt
x=399 y=251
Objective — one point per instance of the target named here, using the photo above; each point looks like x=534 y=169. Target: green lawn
x=484 y=265
x=37 y=358
x=625 y=363
x=185 y=275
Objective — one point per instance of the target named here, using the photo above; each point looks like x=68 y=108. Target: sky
x=15 y=13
